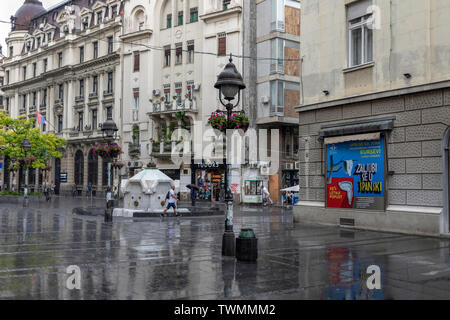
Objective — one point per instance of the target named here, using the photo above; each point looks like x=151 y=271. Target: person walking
x=89 y=193
x=266 y=196
x=193 y=196
x=171 y=203
x=74 y=190
x=46 y=191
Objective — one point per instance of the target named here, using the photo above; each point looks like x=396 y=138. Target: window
x=95 y=44
x=81 y=92
x=110 y=45
x=180 y=18
x=277 y=18
x=1 y=81
x=38 y=42
x=277 y=55
x=34 y=69
x=60 y=59
x=166 y=56
x=7 y=76
x=81 y=54
x=137 y=62
x=11 y=51
x=80 y=121
x=44 y=127
x=169 y=21
x=108 y=112
x=60 y=91
x=24 y=72
x=110 y=82
x=95 y=84
x=45 y=62
x=222 y=44
x=99 y=17
x=360 y=34
x=136 y=134
x=60 y=123
x=178 y=87
x=114 y=11
x=49 y=36
x=178 y=53
x=94 y=119
x=190 y=48
x=189 y=88
x=44 y=97
x=194 y=15
x=7 y=104
x=24 y=101
x=34 y=98
x=167 y=93
x=276 y=97
x=226 y=3
x=136 y=99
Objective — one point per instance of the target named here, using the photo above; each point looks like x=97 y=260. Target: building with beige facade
x=374 y=115
x=64 y=62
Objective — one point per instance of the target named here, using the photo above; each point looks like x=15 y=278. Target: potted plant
x=155 y=145
x=162 y=99
x=108 y=151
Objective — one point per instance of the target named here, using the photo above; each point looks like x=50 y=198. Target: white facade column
x=101 y=113
x=86 y=100
x=50 y=108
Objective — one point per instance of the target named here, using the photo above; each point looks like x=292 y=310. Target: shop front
x=210 y=178
x=252 y=191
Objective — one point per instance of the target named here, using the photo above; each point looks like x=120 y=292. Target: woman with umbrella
x=194 y=189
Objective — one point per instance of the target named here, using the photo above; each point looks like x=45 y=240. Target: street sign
x=63 y=177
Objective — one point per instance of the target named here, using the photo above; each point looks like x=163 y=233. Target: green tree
x=44 y=146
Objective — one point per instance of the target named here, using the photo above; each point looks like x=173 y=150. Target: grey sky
x=9 y=8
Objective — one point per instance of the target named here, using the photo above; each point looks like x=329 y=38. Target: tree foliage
x=44 y=146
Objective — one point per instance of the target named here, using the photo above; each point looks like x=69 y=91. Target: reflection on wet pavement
x=181 y=258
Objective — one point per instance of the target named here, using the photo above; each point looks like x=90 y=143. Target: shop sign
x=356 y=175
x=63 y=177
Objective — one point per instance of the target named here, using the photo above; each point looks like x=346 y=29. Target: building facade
x=173 y=51
x=272 y=34
x=374 y=115
x=64 y=63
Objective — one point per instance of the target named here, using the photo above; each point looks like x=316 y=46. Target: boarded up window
x=136 y=61
x=222 y=44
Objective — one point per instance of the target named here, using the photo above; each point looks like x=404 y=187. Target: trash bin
x=246 y=245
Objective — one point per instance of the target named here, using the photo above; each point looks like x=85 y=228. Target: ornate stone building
x=64 y=62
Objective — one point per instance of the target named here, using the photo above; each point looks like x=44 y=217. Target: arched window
x=92 y=168
x=79 y=168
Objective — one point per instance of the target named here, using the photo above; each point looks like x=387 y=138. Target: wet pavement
x=180 y=258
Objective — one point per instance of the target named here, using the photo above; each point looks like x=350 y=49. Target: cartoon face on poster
x=355 y=174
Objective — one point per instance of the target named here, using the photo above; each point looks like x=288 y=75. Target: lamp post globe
x=229 y=83
x=109 y=129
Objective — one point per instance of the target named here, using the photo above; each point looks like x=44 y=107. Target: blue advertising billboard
x=355 y=174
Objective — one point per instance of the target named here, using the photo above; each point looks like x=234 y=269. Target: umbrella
x=192 y=186
x=292 y=189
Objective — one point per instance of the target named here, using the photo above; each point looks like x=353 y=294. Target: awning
x=356 y=137
x=357 y=127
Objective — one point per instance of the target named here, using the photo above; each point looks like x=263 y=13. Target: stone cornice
x=220 y=14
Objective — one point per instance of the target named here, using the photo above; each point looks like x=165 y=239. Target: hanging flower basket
x=108 y=151
x=218 y=120
x=27 y=161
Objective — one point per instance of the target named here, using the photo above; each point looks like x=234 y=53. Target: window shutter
x=222 y=46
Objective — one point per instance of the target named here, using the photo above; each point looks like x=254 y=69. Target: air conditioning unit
x=265 y=171
x=196 y=86
x=156 y=92
x=265 y=99
x=297 y=165
x=289 y=166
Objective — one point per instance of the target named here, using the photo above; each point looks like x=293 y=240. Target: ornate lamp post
x=109 y=132
x=229 y=83
x=26 y=146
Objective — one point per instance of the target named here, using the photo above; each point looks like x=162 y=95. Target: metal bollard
x=247 y=245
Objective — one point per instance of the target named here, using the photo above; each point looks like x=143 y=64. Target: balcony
x=134 y=149
x=164 y=149
x=32 y=109
x=22 y=110
x=43 y=107
x=93 y=95
x=79 y=99
x=107 y=93
x=162 y=109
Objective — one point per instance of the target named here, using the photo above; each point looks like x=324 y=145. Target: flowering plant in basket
x=108 y=150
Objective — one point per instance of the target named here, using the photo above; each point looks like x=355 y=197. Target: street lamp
x=230 y=83
x=109 y=132
x=26 y=146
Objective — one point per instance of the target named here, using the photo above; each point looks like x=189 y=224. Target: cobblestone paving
x=180 y=258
